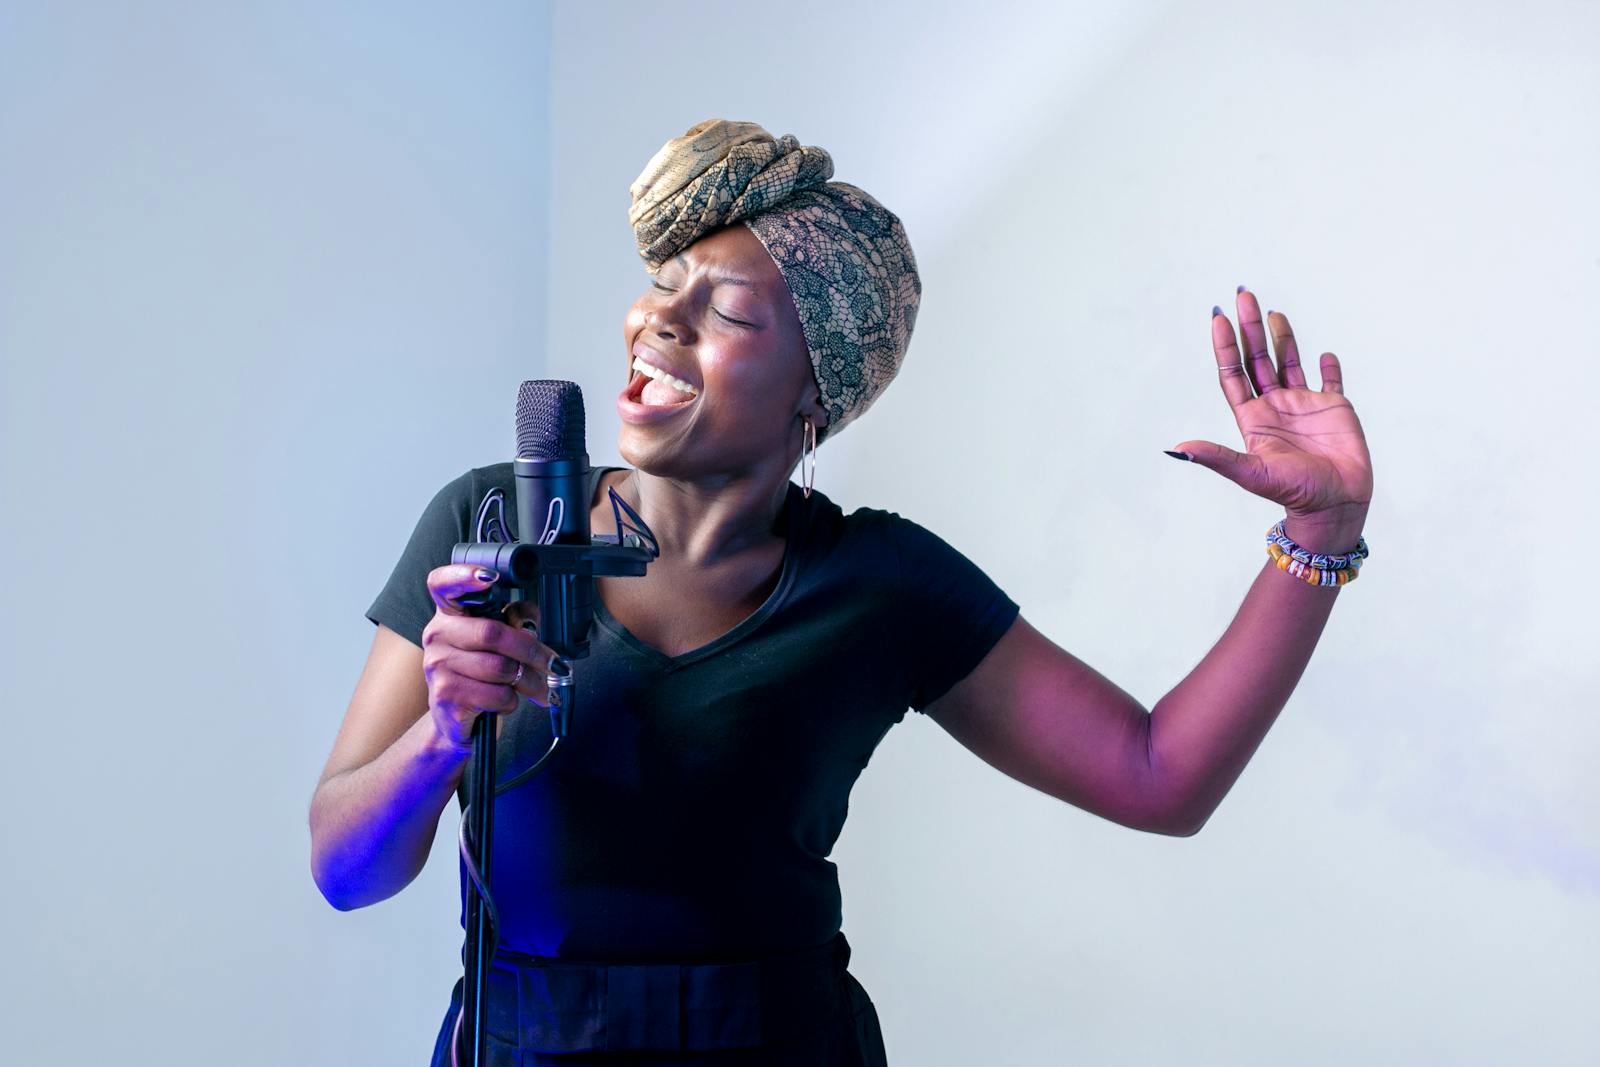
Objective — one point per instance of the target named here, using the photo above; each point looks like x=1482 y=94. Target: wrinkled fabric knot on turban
x=845 y=256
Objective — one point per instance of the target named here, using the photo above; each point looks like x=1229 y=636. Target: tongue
x=659 y=394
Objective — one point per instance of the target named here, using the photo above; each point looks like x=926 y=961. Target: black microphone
x=552 y=476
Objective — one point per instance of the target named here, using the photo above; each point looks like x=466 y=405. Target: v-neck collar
x=793 y=517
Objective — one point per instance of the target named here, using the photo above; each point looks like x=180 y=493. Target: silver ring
x=518 y=678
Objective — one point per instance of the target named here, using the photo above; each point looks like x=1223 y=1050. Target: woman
x=662 y=886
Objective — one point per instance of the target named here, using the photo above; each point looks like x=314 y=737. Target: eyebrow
x=723 y=279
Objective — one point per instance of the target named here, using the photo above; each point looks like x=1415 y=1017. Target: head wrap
x=845 y=256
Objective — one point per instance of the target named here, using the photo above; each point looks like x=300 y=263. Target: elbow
x=332 y=872
x=349 y=880
x=329 y=886
x=344 y=894
x=1176 y=813
x=339 y=904
x=333 y=879
x=1172 y=820
x=326 y=882
x=1186 y=824
x=1163 y=820
x=1173 y=828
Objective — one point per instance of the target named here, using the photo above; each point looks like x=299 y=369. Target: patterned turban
x=844 y=256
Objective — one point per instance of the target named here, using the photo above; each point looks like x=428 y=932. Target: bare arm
x=377 y=806
x=1203 y=732
x=1043 y=717
x=1039 y=714
x=406 y=737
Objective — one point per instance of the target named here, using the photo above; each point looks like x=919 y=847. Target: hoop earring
x=808 y=478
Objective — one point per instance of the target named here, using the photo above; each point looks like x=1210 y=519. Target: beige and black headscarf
x=845 y=256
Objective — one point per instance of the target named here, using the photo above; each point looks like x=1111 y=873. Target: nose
x=666 y=317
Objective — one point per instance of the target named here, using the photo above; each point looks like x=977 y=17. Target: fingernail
x=1215 y=310
x=1269 y=311
x=1241 y=289
x=486 y=575
x=1178 y=455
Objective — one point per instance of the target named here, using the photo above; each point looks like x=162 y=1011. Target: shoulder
x=468 y=487
x=494 y=476
x=924 y=568
x=892 y=531
x=829 y=531
x=455 y=504
x=464 y=484
x=884 y=537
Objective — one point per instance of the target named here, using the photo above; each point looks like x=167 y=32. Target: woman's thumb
x=1232 y=465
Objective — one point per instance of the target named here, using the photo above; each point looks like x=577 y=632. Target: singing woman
x=663 y=887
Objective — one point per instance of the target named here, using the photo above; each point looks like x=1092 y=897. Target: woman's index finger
x=450 y=582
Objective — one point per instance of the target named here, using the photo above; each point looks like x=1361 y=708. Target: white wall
x=269 y=276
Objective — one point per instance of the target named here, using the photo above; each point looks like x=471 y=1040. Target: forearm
x=1203 y=732
x=372 y=827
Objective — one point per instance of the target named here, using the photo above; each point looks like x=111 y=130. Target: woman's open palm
x=1305 y=447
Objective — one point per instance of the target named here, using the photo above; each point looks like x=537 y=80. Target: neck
x=703 y=521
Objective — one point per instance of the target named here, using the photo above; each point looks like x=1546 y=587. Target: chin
x=661 y=460
x=629 y=457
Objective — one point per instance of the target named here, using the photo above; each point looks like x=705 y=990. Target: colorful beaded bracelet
x=1314 y=568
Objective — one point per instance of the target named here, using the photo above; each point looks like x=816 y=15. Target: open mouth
x=654 y=387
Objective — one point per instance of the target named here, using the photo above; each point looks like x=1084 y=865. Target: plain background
x=270 y=274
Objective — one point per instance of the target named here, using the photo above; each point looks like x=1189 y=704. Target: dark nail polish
x=485 y=575
x=1178 y=455
x=1215 y=310
x=1241 y=289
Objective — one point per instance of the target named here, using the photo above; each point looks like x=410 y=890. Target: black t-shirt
x=689 y=813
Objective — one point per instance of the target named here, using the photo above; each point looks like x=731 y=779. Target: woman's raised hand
x=1306 y=449
x=475 y=665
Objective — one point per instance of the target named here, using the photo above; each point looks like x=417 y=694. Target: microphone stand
x=481 y=825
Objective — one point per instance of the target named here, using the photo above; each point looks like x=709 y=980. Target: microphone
x=552 y=476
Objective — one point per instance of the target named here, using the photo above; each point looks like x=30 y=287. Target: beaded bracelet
x=1314 y=568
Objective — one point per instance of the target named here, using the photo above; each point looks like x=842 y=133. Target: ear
x=811 y=406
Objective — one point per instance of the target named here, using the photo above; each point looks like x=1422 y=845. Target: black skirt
x=800 y=1010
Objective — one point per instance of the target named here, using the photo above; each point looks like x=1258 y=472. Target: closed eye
x=720 y=315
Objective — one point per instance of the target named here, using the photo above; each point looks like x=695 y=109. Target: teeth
x=656 y=372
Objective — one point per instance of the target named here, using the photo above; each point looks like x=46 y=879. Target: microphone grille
x=550 y=420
